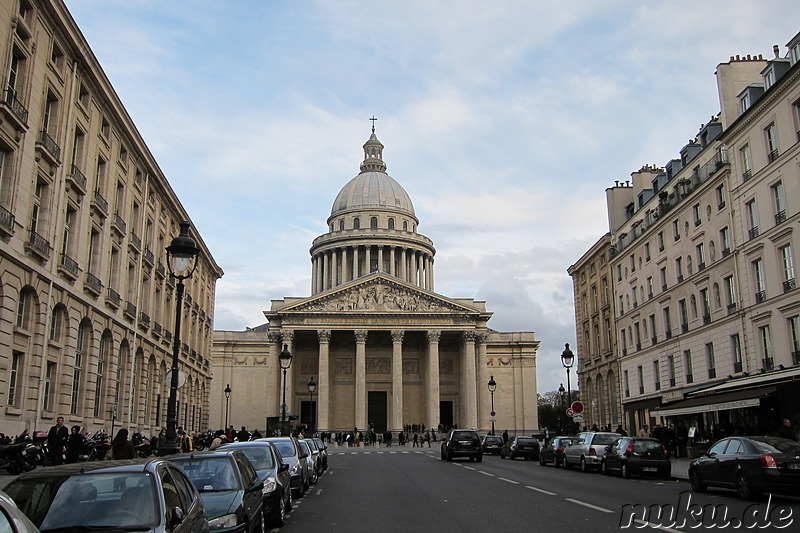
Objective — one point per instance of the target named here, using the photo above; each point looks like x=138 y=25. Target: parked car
x=587 y=448
x=305 y=450
x=553 y=451
x=12 y=519
x=316 y=454
x=102 y=495
x=229 y=487
x=750 y=465
x=491 y=444
x=323 y=452
x=462 y=443
x=295 y=458
x=525 y=447
x=636 y=455
x=269 y=465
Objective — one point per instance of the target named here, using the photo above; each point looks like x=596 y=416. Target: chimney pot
x=776 y=50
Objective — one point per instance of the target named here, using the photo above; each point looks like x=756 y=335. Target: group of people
x=66 y=446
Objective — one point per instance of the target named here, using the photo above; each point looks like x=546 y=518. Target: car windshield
x=101 y=501
x=304 y=446
x=210 y=473
x=258 y=456
x=526 y=442
x=642 y=446
x=776 y=445
x=602 y=438
x=463 y=435
x=285 y=447
x=493 y=440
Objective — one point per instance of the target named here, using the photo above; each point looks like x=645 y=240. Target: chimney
x=776 y=50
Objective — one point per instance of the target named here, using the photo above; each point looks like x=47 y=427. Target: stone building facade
x=86 y=300
x=384 y=348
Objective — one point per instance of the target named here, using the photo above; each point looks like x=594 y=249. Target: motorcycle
x=141 y=444
x=100 y=444
x=21 y=456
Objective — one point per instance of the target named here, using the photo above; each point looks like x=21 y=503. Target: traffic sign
x=577 y=407
x=578 y=418
x=570 y=412
x=492 y=413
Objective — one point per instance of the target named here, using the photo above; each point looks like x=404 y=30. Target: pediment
x=379 y=294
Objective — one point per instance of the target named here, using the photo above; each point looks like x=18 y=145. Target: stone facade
x=384 y=348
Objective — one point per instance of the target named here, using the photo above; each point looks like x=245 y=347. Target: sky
x=505 y=122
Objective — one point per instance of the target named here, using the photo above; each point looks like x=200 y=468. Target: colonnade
x=331 y=268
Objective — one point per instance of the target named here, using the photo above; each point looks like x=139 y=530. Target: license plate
x=525 y=448
x=649 y=469
x=793 y=466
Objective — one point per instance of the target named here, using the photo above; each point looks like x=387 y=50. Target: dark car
x=103 y=495
x=751 y=465
x=525 y=447
x=12 y=519
x=636 y=455
x=296 y=459
x=553 y=451
x=229 y=487
x=491 y=444
x=462 y=443
x=271 y=469
x=587 y=448
x=316 y=455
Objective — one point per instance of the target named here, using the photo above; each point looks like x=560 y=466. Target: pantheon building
x=384 y=349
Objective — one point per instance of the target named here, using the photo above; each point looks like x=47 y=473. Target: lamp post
x=227 y=399
x=286 y=361
x=561 y=413
x=312 y=387
x=568 y=359
x=182 y=260
x=492 y=387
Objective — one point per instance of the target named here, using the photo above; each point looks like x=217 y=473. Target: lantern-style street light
x=286 y=361
x=312 y=387
x=492 y=387
x=568 y=359
x=227 y=399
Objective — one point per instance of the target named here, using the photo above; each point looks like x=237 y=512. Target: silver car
x=587 y=449
x=295 y=457
x=310 y=461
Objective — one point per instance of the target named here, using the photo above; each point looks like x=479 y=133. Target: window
x=638 y=336
x=693 y=306
x=641 y=379
x=725 y=241
x=619 y=272
x=647 y=251
x=698 y=215
x=105 y=127
x=635 y=301
x=47 y=392
x=765 y=336
x=679 y=269
x=36 y=209
x=747 y=162
x=77 y=370
x=660 y=240
x=736 y=351
x=671 y=370
x=758 y=272
x=357 y=223
x=779 y=197
x=57 y=57
x=653 y=330
x=373 y=223
x=712 y=366
x=704 y=302
x=633 y=264
x=752 y=218
x=730 y=292
x=771 y=138
x=721 y=196
x=676 y=230
x=663 y=275
x=687 y=361
x=656 y=375
x=684 y=315
x=391 y=223
x=649 y=287
x=667 y=323
x=744 y=102
x=604 y=282
x=98 y=384
x=50 y=115
x=83 y=96
x=100 y=174
x=794 y=329
x=787 y=262
x=621 y=306
x=627 y=384
x=769 y=78
x=701 y=256
x=14 y=375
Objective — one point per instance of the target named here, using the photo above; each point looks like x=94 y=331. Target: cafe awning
x=716 y=402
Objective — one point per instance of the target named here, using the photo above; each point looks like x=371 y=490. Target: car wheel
x=696 y=481
x=564 y=463
x=745 y=489
x=449 y=457
x=479 y=458
x=280 y=518
x=666 y=475
x=584 y=466
x=541 y=461
x=625 y=471
x=604 y=469
x=511 y=456
x=289 y=502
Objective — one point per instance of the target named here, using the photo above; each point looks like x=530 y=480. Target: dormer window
x=744 y=102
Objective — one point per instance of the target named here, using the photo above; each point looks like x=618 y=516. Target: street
x=411 y=489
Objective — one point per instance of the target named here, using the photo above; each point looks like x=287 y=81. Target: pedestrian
x=505 y=436
x=401 y=439
x=256 y=434
x=682 y=439
x=621 y=431
x=56 y=440
x=415 y=441
x=786 y=431
x=121 y=447
x=428 y=438
x=74 y=444
x=644 y=431
x=243 y=435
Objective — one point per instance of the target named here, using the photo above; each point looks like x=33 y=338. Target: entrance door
x=446 y=413
x=377 y=410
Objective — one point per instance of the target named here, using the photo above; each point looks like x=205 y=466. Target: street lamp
x=182 y=260
x=227 y=399
x=492 y=387
x=561 y=413
x=286 y=361
x=568 y=359
x=312 y=387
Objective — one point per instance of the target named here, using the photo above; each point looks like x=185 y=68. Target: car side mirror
x=257 y=485
x=284 y=467
x=176 y=516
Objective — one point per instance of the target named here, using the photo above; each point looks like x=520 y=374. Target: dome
x=373 y=187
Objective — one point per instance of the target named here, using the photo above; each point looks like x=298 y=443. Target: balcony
x=732 y=308
x=789 y=285
x=737 y=367
x=671 y=382
x=156 y=329
x=664 y=288
x=135 y=242
x=753 y=232
x=68 y=267
x=99 y=204
x=77 y=180
x=6 y=221
x=701 y=266
x=38 y=246
x=118 y=225
x=747 y=175
x=14 y=110
x=761 y=296
x=148 y=256
x=144 y=320
x=113 y=299
x=167 y=338
x=170 y=282
x=624 y=352
x=48 y=147
x=707 y=319
x=93 y=285
x=668 y=334
x=684 y=328
x=129 y=310
x=160 y=269
x=680 y=278
x=768 y=363
x=638 y=346
x=726 y=252
x=773 y=155
x=721 y=206
x=780 y=217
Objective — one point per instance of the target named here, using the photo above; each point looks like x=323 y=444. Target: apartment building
x=85 y=216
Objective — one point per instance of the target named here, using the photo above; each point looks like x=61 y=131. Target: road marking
x=590 y=506
x=540 y=490
x=656 y=526
x=508 y=480
x=486 y=473
x=469 y=468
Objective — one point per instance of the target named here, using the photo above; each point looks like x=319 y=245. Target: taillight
x=592 y=451
x=767 y=461
x=629 y=449
x=559 y=449
x=664 y=449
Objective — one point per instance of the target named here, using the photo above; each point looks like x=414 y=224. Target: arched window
x=373 y=223
x=83 y=341
x=405 y=225
x=58 y=323
x=102 y=367
x=601 y=400
x=25 y=308
x=391 y=223
x=356 y=223
x=341 y=225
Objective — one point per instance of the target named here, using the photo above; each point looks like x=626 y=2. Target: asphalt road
x=410 y=489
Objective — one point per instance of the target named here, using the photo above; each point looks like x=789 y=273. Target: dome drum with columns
x=385 y=349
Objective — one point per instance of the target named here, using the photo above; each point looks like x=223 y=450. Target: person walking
x=121 y=447
x=416 y=441
x=74 y=444
x=787 y=431
x=56 y=440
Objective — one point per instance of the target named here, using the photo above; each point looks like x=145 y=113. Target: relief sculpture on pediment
x=378 y=297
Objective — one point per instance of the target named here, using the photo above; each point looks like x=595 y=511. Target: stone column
x=396 y=422
x=314 y=275
x=380 y=258
x=361 y=379
x=484 y=373
x=323 y=381
x=288 y=339
x=392 y=266
x=469 y=380
x=273 y=406
x=368 y=260
x=433 y=379
x=355 y=262
x=430 y=273
x=403 y=267
x=326 y=271
x=334 y=267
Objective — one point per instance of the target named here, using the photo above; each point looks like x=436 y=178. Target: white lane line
x=540 y=490
x=469 y=468
x=508 y=480
x=486 y=473
x=656 y=526
x=590 y=506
